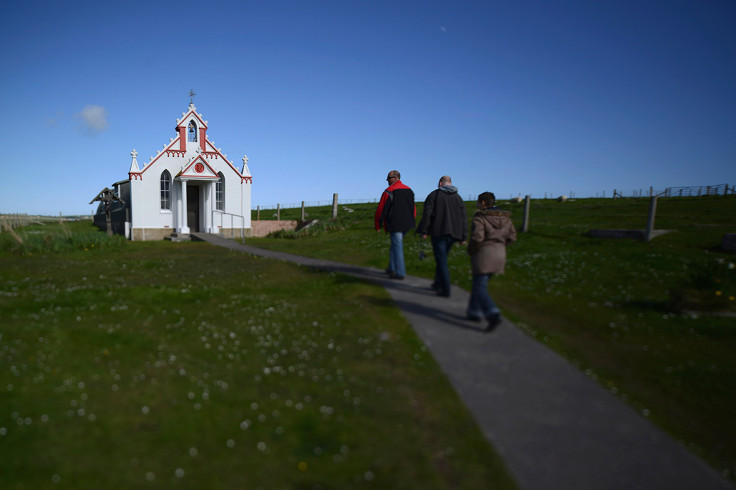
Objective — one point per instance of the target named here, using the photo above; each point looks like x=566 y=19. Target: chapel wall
x=147 y=197
x=263 y=228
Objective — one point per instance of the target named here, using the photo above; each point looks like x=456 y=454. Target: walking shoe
x=393 y=275
x=474 y=318
x=493 y=322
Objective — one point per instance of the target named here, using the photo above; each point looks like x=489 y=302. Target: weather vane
x=191 y=96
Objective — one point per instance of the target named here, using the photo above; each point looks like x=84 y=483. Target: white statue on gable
x=134 y=163
x=245 y=170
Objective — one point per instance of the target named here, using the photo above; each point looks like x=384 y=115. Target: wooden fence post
x=334 y=205
x=303 y=211
x=278 y=212
x=525 y=223
x=650 y=220
x=258 y=213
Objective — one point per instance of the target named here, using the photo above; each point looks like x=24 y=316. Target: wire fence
x=686 y=191
x=708 y=190
x=314 y=204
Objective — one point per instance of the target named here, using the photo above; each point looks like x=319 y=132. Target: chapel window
x=192 y=132
x=220 y=192
x=165 y=190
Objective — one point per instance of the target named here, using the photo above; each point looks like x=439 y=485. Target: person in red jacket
x=396 y=213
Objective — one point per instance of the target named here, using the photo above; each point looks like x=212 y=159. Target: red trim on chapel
x=182 y=138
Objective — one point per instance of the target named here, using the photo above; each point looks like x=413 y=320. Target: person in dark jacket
x=446 y=221
x=396 y=213
x=492 y=230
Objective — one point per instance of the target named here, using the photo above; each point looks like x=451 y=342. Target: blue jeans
x=481 y=304
x=396 y=254
x=441 y=247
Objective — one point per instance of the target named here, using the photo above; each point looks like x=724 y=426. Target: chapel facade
x=188 y=186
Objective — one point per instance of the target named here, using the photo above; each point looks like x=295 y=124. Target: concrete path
x=554 y=427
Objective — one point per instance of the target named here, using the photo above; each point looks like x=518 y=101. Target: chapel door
x=193 y=207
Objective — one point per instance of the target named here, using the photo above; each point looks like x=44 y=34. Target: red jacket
x=396 y=210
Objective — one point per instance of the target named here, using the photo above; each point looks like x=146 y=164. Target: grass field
x=652 y=322
x=161 y=365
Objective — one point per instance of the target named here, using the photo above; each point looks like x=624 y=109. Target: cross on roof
x=191 y=96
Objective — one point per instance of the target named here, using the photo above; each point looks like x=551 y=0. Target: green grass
x=50 y=237
x=161 y=365
x=652 y=322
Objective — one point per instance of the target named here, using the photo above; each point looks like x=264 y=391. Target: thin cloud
x=93 y=119
x=52 y=122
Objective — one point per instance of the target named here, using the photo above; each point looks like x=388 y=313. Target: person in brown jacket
x=491 y=231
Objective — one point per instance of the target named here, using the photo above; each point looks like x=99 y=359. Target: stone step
x=179 y=237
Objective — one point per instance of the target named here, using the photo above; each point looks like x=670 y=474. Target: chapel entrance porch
x=194 y=206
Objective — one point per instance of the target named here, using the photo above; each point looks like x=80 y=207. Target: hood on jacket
x=494 y=216
x=449 y=189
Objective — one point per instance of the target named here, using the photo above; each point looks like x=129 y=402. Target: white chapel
x=188 y=186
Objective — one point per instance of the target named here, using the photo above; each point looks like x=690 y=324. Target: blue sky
x=516 y=97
